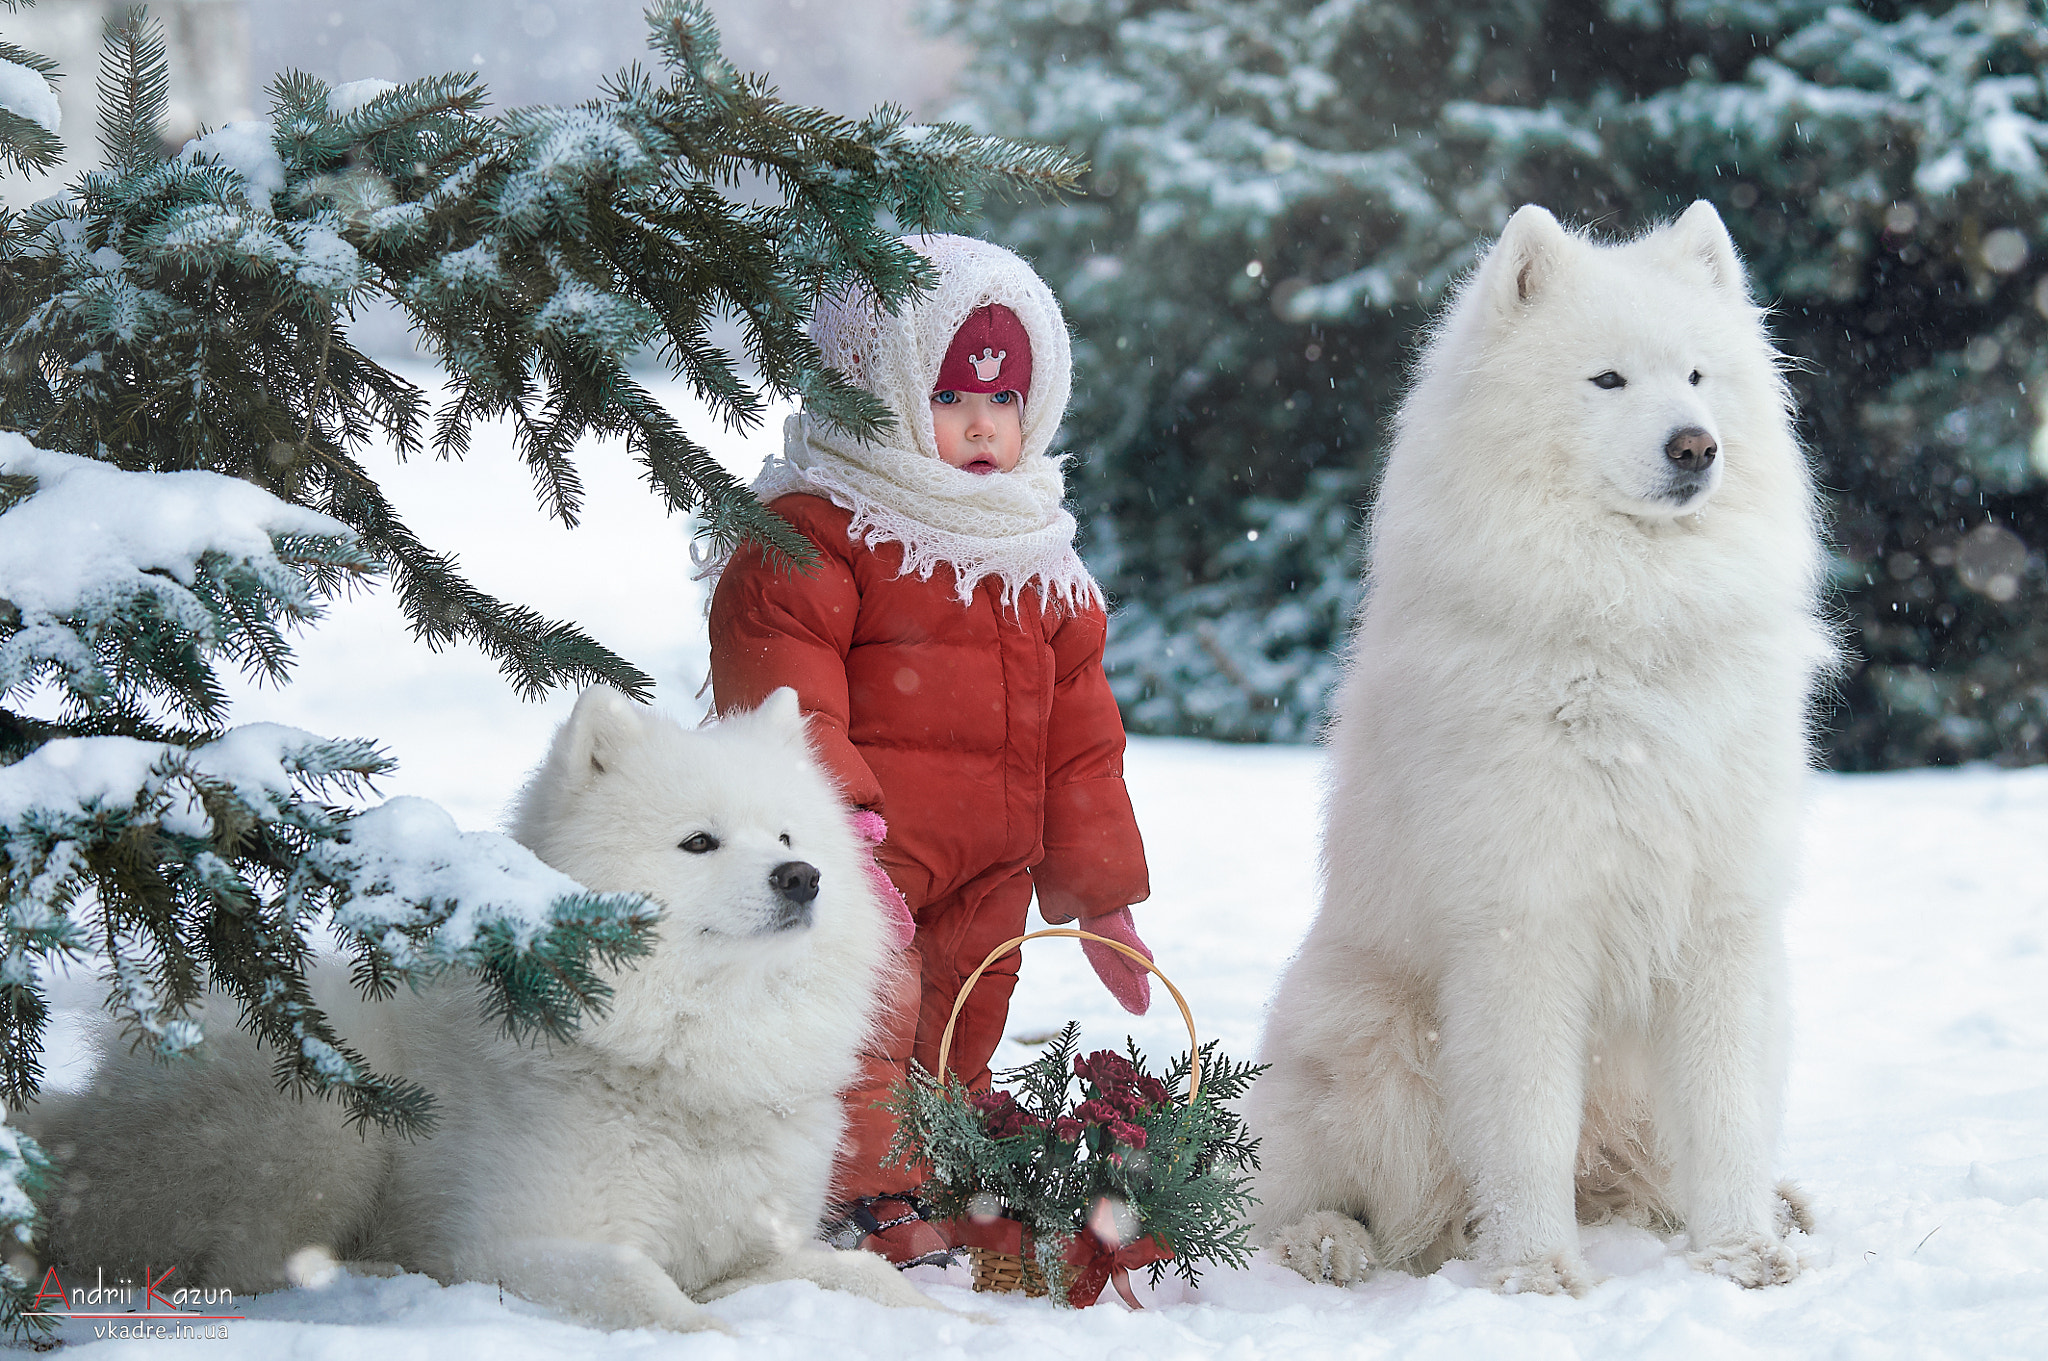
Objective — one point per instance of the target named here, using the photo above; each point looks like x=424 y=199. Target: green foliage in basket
x=1068 y=1141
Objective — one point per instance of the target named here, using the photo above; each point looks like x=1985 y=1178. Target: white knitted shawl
x=1013 y=526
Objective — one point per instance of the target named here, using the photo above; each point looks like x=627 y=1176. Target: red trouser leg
x=862 y=1167
x=954 y=934
x=957 y=946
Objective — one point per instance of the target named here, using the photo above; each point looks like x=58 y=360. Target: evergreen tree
x=1282 y=190
x=183 y=482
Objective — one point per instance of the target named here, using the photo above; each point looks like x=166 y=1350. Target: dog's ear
x=779 y=718
x=601 y=725
x=783 y=709
x=783 y=714
x=1523 y=262
x=1701 y=237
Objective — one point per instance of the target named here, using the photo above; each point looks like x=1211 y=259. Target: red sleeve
x=1094 y=859
x=773 y=626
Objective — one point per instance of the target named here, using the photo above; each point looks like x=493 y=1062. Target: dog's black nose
x=795 y=881
x=1691 y=448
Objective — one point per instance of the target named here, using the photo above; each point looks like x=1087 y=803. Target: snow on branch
x=422 y=895
x=403 y=869
x=121 y=831
x=29 y=114
x=81 y=816
x=91 y=555
x=246 y=147
x=93 y=531
x=26 y=94
x=216 y=824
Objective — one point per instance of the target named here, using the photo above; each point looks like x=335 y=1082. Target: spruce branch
x=533 y=652
x=26 y=146
x=135 y=92
x=28 y=1170
x=34 y=61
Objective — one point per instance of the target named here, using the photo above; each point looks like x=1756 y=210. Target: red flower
x=1066 y=1129
x=1128 y=1103
x=991 y=1102
x=1152 y=1090
x=1109 y=1071
x=1001 y=1115
x=1096 y=1113
x=1131 y=1136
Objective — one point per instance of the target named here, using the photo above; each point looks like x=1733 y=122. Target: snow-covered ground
x=1918 y=1115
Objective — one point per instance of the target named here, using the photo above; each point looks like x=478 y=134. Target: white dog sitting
x=1546 y=981
x=677 y=1150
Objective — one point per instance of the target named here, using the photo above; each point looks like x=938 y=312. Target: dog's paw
x=1326 y=1247
x=1560 y=1273
x=1794 y=1210
x=848 y=1269
x=703 y=1321
x=676 y=1314
x=1749 y=1262
x=602 y=1285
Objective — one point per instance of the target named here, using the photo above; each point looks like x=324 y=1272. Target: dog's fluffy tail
x=201 y=1163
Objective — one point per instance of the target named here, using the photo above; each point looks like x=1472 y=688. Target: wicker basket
x=1002 y=1272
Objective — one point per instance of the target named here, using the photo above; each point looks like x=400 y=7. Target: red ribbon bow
x=1097 y=1264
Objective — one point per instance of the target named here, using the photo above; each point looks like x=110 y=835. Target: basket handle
x=1194 y=1045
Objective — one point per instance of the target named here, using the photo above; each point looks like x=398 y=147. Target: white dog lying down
x=678 y=1150
x=1546 y=979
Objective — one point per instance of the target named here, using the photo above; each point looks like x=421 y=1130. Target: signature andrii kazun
x=124 y=1308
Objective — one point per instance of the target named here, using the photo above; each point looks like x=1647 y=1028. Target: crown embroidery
x=988 y=365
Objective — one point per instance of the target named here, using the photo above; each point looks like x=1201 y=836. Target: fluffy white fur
x=1546 y=980
x=679 y=1148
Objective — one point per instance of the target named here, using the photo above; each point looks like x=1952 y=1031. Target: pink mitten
x=1127 y=982
x=869 y=827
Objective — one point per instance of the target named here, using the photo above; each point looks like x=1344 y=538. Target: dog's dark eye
x=697 y=843
x=1609 y=380
x=1695 y=379
x=784 y=838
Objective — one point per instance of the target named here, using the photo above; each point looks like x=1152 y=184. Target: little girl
x=948 y=648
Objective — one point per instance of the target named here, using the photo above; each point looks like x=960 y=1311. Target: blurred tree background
x=1283 y=191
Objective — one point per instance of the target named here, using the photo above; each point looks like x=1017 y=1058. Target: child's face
x=979 y=432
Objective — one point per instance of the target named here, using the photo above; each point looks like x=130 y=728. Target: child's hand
x=869 y=827
x=1127 y=982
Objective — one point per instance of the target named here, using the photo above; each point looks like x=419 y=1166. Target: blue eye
x=946 y=398
x=1004 y=398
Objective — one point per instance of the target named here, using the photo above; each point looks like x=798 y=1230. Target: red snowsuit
x=988 y=739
